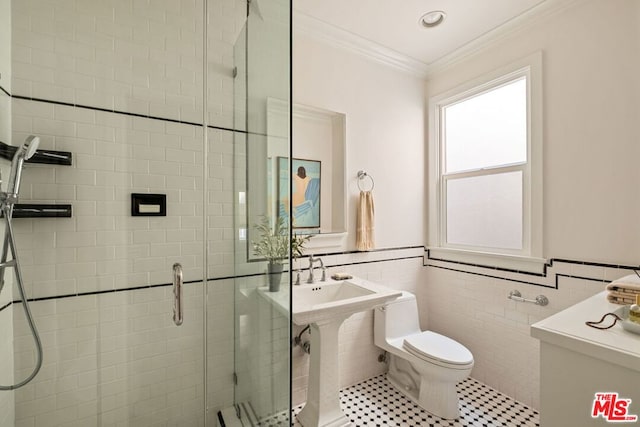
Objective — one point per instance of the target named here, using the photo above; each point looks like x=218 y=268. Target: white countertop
x=568 y=329
x=280 y=299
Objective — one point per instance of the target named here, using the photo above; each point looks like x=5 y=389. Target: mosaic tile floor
x=375 y=402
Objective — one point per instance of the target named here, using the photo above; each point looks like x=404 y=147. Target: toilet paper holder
x=517 y=296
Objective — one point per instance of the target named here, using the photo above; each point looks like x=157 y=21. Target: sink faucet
x=297 y=282
x=312 y=261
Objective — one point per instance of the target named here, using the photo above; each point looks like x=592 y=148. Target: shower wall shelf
x=50 y=157
x=41 y=210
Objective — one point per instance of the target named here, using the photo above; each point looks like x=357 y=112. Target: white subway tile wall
x=470 y=308
x=5 y=116
x=7 y=398
x=5 y=134
x=102 y=246
x=113 y=359
x=141 y=57
x=475 y=311
x=116 y=365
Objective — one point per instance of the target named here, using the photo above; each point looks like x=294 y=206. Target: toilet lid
x=430 y=345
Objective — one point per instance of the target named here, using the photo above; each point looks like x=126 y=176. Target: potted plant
x=274 y=246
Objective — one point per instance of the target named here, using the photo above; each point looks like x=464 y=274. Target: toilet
x=423 y=365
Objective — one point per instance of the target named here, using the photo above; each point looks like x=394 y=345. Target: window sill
x=489 y=260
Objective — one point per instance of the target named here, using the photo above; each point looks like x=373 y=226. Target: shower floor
x=375 y=402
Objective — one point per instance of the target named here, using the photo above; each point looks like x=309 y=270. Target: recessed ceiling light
x=432 y=19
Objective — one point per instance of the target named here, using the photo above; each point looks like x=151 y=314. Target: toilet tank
x=398 y=318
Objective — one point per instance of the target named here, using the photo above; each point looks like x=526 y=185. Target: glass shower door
x=261 y=319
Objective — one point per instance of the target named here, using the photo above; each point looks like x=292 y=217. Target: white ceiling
x=393 y=25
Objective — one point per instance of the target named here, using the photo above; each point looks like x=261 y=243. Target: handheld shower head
x=24 y=152
x=29 y=147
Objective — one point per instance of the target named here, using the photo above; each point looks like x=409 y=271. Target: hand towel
x=624 y=290
x=631 y=281
x=365 y=222
x=617 y=299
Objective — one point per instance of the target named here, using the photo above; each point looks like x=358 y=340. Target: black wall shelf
x=41 y=210
x=49 y=157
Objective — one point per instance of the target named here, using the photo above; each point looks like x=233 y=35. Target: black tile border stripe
x=524 y=282
x=106 y=110
x=132 y=288
x=127 y=113
x=544 y=274
x=214 y=279
x=375 y=261
x=424 y=258
x=503 y=269
x=398 y=248
x=593 y=264
x=7 y=305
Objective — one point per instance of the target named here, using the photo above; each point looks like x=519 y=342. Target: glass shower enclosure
x=161 y=109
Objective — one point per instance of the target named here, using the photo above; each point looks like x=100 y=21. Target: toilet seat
x=438 y=349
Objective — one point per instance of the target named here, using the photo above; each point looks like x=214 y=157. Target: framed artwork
x=305 y=191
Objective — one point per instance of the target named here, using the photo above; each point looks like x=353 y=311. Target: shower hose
x=7 y=209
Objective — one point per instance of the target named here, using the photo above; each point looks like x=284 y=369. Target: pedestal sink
x=324 y=306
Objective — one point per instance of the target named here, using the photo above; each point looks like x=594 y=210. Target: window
x=485 y=167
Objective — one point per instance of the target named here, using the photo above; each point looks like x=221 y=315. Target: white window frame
x=530 y=257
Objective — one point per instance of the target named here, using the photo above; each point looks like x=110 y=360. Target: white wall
x=591 y=178
x=144 y=58
x=5 y=46
x=384 y=111
x=7 y=398
x=590 y=124
x=590 y=175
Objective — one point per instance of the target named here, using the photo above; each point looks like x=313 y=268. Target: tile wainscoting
x=396 y=268
x=466 y=303
x=472 y=307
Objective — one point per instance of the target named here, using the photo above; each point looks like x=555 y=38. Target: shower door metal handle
x=177 y=294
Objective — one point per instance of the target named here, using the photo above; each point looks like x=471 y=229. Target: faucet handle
x=297 y=282
x=324 y=274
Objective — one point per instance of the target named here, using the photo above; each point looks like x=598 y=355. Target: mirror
x=318 y=171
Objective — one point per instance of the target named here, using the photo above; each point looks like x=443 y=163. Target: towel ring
x=361 y=176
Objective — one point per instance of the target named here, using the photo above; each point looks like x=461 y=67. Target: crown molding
x=517 y=24
x=335 y=36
